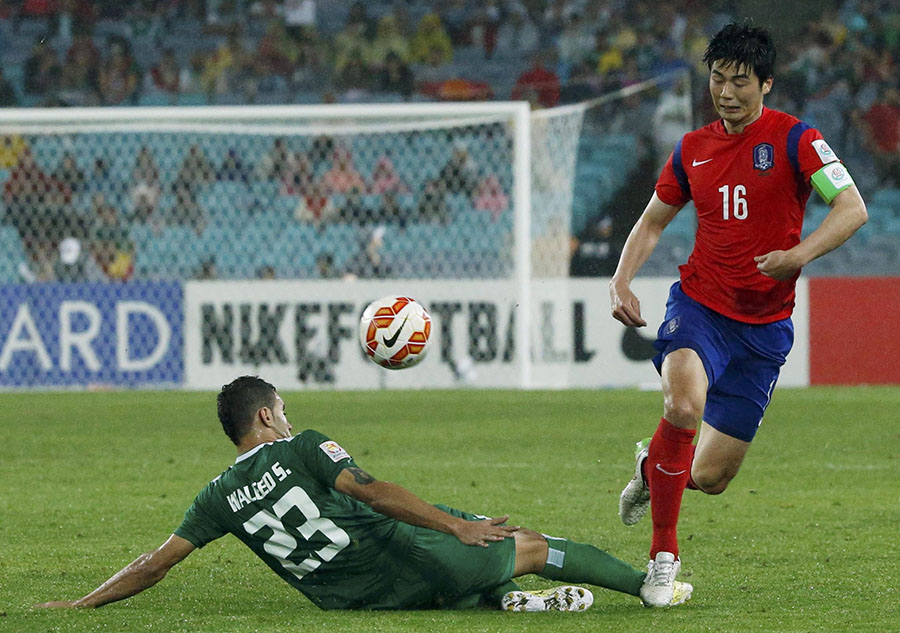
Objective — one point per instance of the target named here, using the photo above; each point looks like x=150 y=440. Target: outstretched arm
x=848 y=213
x=143 y=572
x=638 y=248
x=399 y=503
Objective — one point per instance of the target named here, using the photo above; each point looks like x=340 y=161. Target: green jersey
x=279 y=499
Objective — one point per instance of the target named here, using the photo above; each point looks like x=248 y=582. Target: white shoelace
x=662 y=573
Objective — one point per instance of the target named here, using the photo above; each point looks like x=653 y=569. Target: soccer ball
x=394 y=332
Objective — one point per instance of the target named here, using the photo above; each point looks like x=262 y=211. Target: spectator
x=385 y=178
x=276 y=54
x=196 y=169
x=274 y=163
x=310 y=69
x=431 y=44
x=12 y=147
x=369 y=262
x=314 y=207
x=539 y=84
x=80 y=83
x=517 y=34
x=388 y=40
x=119 y=77
x=395 y=77
x=881 y=126
x=229 y=68
x=596 y=253
x=606 y=58
x=191 y=77
x=484 y=27
x=8 y=96
x=166 y=75
x=350 y=42
x=455 y=18
x=354 y=78
x=69 y=174
x=223 y=14
x=100 y=180
x=299 y=15
x=457 y=176
x=42 y=69
x=582 y=85
x=145 y=185
x=392 y=212
x=432 y=203
x=35 y=205
x=575 y=42
x=297 y=176
x=186 y=211
x=85 y=50
x=490 y=197
x=112 y=248
x=342 y=177
x=233 y=169
x=73 y=264
x=672 y=119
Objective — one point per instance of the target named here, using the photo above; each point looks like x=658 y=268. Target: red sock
x=668 y=470
x=691 y=485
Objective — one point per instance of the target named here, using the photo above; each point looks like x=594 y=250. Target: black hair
x=743 y=44
x=238 y=403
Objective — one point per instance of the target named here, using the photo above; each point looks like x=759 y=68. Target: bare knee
x=531 y=552
x=682 y=411
x=711 y=481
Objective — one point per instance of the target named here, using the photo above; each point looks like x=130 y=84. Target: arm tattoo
x=362 y=477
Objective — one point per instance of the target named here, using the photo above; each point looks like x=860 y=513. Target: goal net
x=184 y=246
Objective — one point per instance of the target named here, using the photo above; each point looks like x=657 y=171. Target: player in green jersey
x=349 y=541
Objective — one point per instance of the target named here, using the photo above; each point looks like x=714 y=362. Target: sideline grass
x=805 y=539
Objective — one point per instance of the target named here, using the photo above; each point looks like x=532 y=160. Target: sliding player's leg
x=561 y=559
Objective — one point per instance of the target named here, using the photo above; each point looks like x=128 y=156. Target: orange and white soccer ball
x=395 y=332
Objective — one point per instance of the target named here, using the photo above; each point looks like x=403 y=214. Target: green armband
x=831 y=180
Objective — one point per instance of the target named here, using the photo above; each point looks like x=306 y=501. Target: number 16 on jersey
x=734 y=201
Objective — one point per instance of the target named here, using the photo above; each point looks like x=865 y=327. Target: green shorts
x=437 y=571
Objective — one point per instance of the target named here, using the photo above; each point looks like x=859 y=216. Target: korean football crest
x=763 y=157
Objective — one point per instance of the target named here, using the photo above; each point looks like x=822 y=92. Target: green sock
x=581 y=563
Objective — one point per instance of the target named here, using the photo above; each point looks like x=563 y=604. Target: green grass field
x=805 y=539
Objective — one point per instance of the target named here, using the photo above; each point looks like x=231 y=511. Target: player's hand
x=625 y=305
x=57 y=604
x=484 y=532
x=779 y=265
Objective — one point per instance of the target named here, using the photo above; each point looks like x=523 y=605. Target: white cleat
x=635 y=498
x=565 y=598
x=660 y=589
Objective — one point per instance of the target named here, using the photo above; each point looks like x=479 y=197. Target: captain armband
x=831 y=180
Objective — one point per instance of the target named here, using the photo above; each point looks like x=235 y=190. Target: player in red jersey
x=727 y=329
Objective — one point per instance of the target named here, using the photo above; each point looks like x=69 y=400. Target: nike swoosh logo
x=390 y=341
x=666 y=472
x=696 y=163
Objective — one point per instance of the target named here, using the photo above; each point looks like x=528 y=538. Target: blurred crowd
x=64 y=241
x=838 y=72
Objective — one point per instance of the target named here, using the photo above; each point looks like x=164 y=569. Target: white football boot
x=565 y=598
x=635 y=498
x=660 y=589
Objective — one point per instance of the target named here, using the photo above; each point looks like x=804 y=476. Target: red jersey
x=750 y=192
